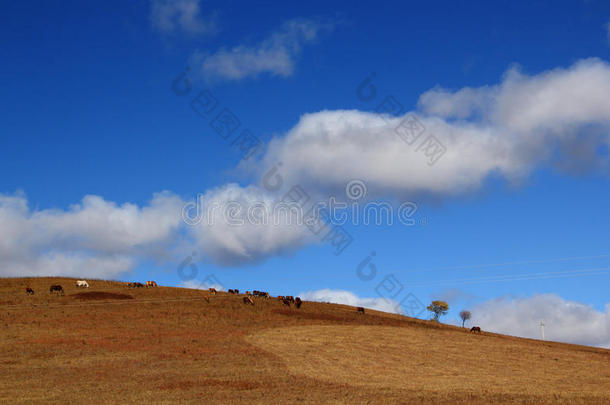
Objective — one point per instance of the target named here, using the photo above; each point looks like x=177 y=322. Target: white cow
x=82 y=283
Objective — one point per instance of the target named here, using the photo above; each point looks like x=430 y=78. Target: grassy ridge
x=169 y=345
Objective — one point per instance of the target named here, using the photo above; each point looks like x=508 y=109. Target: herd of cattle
x=141 y=285
x=288 y=300
x=57 y=288
x=247 y=299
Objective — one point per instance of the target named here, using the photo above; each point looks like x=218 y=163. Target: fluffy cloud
x=565 y=321
x=237 y=225
x=349 y=298
x=173 y=15
x=96 y=238
x=200 y=285
x=99 y=238
x=275 y=55
x=506 y=130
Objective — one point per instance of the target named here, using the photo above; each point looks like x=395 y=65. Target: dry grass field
x=113 y=344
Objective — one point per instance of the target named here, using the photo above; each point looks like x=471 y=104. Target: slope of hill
x=113 y=344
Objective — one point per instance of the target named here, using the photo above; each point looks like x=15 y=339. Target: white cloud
x=565 y=321
x=275 y=55
x=172 y=15
x=96 y=238
x=200 y=285
x=349 y=298
x=506 y=129
x=229 y=236
x=99 y=238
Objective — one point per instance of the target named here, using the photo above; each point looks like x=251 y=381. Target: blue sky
x=88 y=109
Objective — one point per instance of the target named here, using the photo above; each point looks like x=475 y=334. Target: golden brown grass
x=168 y=345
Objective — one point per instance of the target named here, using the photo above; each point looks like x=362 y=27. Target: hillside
x=113 y=344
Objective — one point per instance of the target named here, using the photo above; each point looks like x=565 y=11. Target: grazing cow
x=286 y=302
x=56 y=287
x=231 y=291
x=139 y=285
x=212 y=291
x=29 y=291
x=281 y=297
x=266 y=295
x=248 y=293
x=151 y=284
x=360 y=310
x=131 y=285
x=248 y=300
x=475 y=329
x=290 y=298
x=297 y=302
x=82 y=283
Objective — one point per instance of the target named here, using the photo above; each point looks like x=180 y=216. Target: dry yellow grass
x=437 y=360
x=168 y=345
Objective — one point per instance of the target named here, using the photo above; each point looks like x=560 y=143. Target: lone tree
x=465 y=315
x=438 y=308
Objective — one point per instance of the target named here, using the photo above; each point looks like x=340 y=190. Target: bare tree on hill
x=465 y=315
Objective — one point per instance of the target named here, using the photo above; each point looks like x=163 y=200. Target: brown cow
x=281 y=297
x=286 y=302
x=212 y=291
x=151 y=284
x=248 y=300
x=290 y=298
x=297 y=302
x=135 y=285
x=360 y=310
x=29 y=291
x=248 y=293
x=476 y=329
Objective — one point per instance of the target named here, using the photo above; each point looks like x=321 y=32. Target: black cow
x=475 y=329
x=297 y=302
x=360 y=310
x=56 y=287
x=29 y=291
